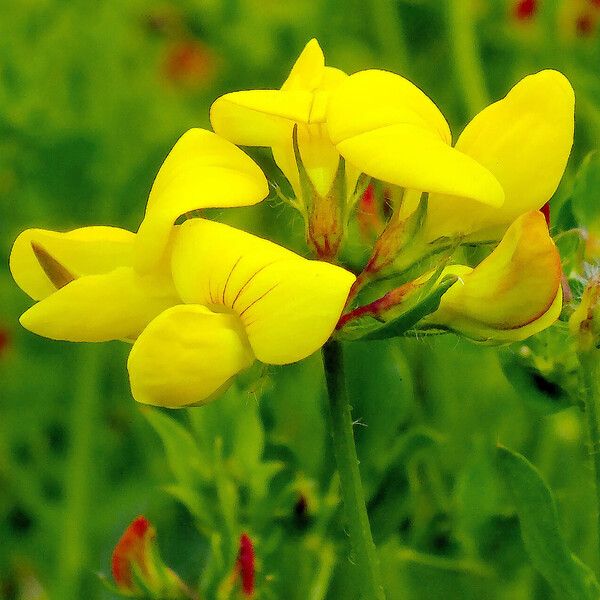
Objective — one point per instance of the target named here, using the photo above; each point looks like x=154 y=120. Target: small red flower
x=4 y=340
x=584 y=24
x=525 y=9
x=245 y=564
x=189 y=62
x=132 y=549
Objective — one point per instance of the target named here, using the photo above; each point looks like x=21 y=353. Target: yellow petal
x=290 y=308
x=98 y=308
x=288 y=305
x=319 y=156
x=186 y=356
x=413 y=157
x=259 y=117
x=85 y=251
x=524 y=140
x=202 y=170
x=285 y=159
x=370 y=100
x=514 y=287
x=307 y=72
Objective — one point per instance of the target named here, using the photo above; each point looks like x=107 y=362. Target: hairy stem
x=355 y=510
x=465 y=52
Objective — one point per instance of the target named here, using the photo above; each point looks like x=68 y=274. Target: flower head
x=242 y=298
x=508 y=160
x=292 y=122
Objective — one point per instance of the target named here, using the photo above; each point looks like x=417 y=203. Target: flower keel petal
x=186 y=355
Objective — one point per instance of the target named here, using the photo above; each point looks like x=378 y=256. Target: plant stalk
x=590 y=367
x=355 y=510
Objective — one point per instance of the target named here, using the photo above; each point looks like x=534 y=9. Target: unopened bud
x=584 y=323
x=137 y=568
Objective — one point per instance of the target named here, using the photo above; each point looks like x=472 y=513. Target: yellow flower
x=209 y=300
x=243 y=298
x=104 y=283
x=268 y=117
x=508 y=160
x=512 y=294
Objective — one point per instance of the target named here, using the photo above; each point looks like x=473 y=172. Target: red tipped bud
x=137 y=566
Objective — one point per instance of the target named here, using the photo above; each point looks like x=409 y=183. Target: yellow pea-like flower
x=200 y=301
x=220 y=299
x=512 y=294
x=243 y=298
x=508 y=160
x=268 y=117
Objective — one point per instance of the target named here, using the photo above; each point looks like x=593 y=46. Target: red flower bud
x=525 y=9
x=4 y=340
x=132 y=549
x=189 y=63
x=245 y=564
x=584 y=24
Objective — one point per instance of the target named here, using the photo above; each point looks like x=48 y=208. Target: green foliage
x=542 y=537
x=92 y=96
x=585 y=197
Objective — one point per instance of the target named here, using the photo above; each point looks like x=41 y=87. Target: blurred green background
x=92 y=97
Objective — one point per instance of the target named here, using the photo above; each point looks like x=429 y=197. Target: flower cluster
x=201 y=301
x=329 y=132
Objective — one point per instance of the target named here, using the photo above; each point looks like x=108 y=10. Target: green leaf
x=586 y=191
x=538 y=516
x=409 y=318
x=181 y=450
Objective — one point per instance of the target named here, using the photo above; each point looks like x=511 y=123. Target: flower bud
x=137 y=568
x=584 y=323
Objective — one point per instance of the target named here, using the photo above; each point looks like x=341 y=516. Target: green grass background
x=92 y=97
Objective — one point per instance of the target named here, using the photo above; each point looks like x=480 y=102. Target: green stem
x=390 y=33
x=355 y=510
x=590 y=366
x=72 y=551
x=465 y=51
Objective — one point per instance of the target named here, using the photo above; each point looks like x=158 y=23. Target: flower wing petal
x=259 y=117
x=84 y=251
x=186 y=355
x=524 y=140
x=98 y=308
x=291 y=308
x=202 y=170
x=413 y=157
x=372 y=99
